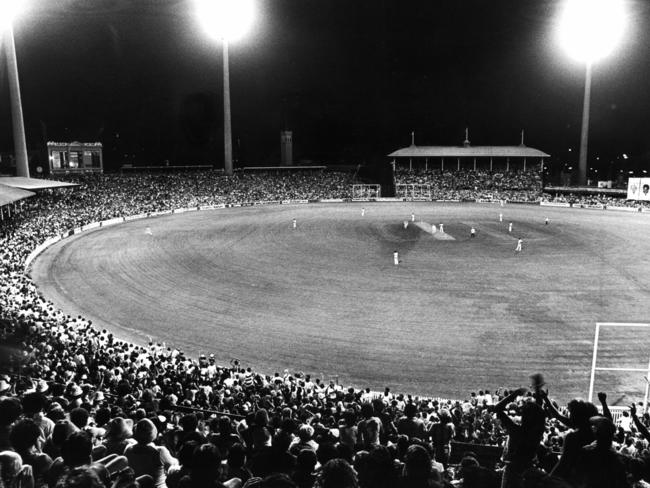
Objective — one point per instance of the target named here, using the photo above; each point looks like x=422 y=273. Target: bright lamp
x=226 y=19
x=9 y=9
x=590 y=29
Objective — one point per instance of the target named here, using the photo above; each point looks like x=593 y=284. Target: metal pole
x=593 y=363
x=647 y=389
x=584 y=135
x=20 y=146
x=227 y=129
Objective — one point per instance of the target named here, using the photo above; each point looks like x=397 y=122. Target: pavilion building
x=468 y=156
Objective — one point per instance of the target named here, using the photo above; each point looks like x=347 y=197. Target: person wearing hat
x=145 y=457
x=117 y=438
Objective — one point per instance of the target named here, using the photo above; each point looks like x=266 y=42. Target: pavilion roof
x=468 y=152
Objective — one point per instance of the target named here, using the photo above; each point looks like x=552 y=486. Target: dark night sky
x=351 y=78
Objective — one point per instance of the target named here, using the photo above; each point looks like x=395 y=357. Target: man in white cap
x=395 y=258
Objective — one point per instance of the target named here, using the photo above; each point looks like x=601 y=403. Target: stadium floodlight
x=9 y=9
x=226 y=20
x=589 y=30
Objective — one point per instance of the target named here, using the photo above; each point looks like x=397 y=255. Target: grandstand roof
x=9 y=194
x=33 y=183
x=468 y=152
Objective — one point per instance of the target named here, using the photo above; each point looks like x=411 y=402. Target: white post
x=507 y=164
x=474 y=164
x=410 y=164
x=458 y=167
x=647 y=389
x=524 y=164
x=426 y=164
x=593 y=364
x=490 y=163
x=442 y=164
x=20 y=146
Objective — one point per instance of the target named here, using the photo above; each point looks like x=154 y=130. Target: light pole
x=227 y=20
x=589 y=30
x=8 y=11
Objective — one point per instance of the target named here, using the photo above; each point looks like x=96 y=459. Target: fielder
x=148 y=231
x=510 y=227
x=546 y=221
x=294 y=223
x=472 y=232
x=406 y=224
x=500 y=217
x=363 y=211
x=412 y=217
x=441 y=229
x=519 y=242
x=395 y=258
x=433 y=228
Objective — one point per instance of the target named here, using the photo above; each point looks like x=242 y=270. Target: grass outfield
x=325 y=298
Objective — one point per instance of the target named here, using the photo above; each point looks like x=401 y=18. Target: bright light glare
x=9 y=9
x=226 y=19
x=590 y=29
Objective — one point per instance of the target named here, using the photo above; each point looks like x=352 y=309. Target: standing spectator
x=523 y=438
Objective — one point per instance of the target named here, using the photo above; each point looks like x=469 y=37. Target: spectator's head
x=145 y=431
x=410 y=410
x=237 y=455
x=118 y=429
x=25 y=435
x=10 y=465
x=33 y=403
x=417 y=463
x=366 y=410
x=580 y=412
x=76 y=449
x=305 y=432
x=206 y=463
x=81 y=477
x=189 y=422
x=62 y=430
x=79 y=416
x=603 y=428
x=337 y=473
x=10 y=410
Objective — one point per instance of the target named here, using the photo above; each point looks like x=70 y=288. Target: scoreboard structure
x=75 y=157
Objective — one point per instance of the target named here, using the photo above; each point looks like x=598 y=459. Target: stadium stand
x=81 y=408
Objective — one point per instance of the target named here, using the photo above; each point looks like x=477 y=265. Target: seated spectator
x=337 y=473
x=26 y=439
x=145 y=458
x=13 y=473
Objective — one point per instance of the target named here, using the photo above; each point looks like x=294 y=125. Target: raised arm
x=602 y=398
x=638 y=424
x=553 y=411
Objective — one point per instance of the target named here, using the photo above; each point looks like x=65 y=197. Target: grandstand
x=74 y=382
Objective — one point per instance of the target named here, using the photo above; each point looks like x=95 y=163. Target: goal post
x=595 y=367
x=361 y=192
x=412 y=191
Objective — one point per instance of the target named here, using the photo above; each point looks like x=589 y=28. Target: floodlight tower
x=227 y=20
x=589 y=30
x=9 y=9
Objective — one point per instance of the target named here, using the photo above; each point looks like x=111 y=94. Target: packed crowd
x=523 y=186
x=80 y=408
x=593 y=199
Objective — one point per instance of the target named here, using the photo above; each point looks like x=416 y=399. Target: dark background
x=350 y=78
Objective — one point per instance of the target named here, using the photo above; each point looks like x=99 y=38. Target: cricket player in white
x=433 y=228
x=546 y=221
x=412 y=217
x=395 y=258
x=294 y=223
x=472 y=232
x=148 y=231
x=406 y=224
x=500 y=217
x=441 y=229
x=510 y=227
x=363 y=211
x=519 y=242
